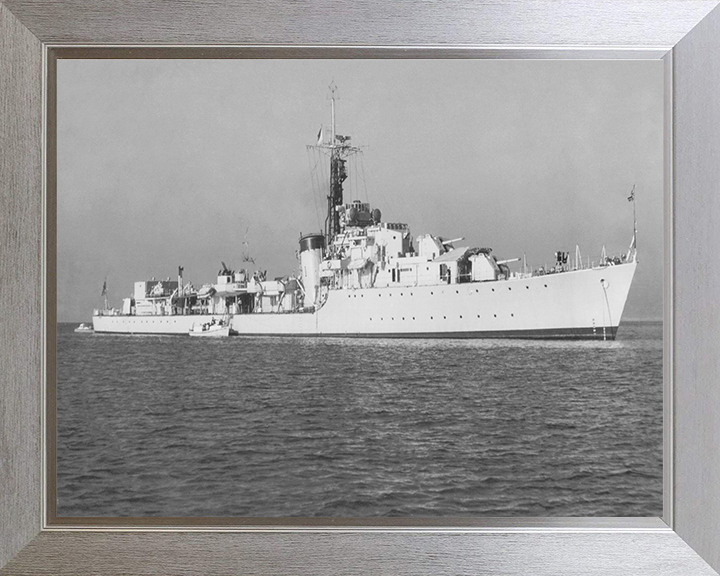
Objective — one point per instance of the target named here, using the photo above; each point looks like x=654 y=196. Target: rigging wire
x=356 y=188
x=362 y=174
x=323 y=177
x=352 y=179
x=315 y=193
x=389 y=206
x=313 y=177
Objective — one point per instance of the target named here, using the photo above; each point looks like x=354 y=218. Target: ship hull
x=583 y=304
x=124 y=324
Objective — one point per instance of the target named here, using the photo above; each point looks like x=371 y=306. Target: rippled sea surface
x=177 y=426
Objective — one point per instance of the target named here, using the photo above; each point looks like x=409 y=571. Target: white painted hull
x=124 y=324
x=585 y=304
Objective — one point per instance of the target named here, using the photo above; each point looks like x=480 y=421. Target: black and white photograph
x=332 y=288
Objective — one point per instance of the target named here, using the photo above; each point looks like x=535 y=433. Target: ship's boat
x=365 y=277
x=210 y=330
x=84 y=329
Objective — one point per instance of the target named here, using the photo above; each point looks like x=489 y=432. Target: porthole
x=495 y=315
x=509 y=288
x=513 y=315
x=460 y=315
x=493 y=289
x=444 y=317
x=431 y=317
x=545 y=285
x=527 y=287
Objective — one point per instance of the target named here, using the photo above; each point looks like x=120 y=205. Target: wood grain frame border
x=687 y=33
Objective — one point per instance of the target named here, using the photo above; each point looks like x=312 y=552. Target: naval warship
x=365 y=277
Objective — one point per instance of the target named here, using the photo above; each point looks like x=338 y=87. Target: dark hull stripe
x=544 y=334
x=541 y=334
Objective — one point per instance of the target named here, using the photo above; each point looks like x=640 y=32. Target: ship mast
x=632 y=251
x=339 y=149
x=338 y=174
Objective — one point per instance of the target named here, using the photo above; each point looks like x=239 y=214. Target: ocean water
x=177 y=426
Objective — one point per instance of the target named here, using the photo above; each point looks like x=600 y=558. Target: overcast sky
x=176 y=162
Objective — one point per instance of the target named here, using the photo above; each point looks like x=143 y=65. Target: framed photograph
x=344 y=360
x=347 y=185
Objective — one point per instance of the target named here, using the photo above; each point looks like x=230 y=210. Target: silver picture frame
x=685 y=35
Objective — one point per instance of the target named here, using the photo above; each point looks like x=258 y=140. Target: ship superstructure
x=365 y=277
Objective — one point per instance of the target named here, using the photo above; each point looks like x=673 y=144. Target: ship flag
x=320 y=136
x=104 y=290
x=631 y=198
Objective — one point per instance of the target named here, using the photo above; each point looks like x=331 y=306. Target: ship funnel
x=311 y=253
